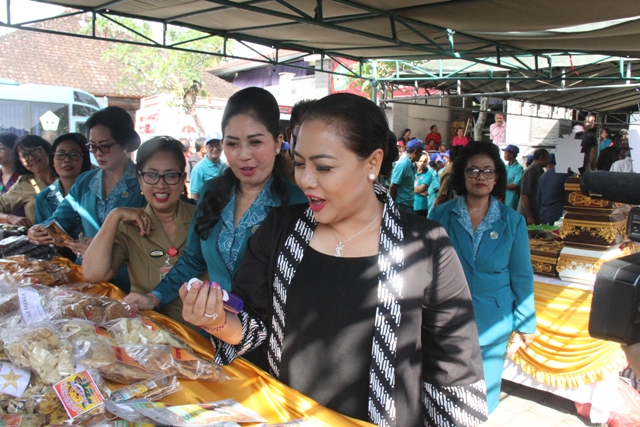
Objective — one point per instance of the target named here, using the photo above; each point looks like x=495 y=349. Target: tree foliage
x=383 y=69
x=155 y=70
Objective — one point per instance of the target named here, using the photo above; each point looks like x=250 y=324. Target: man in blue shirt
x=514 y=176
x=402 y=178
x=207 y=168
x=551 y=193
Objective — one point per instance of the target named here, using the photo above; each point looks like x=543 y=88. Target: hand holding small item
x=212 y=309
x=38 y=235
x=139 y=302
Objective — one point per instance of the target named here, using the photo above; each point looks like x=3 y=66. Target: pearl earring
x=372 y=177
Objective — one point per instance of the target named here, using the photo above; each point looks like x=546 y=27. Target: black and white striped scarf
x=443 y=406
x=387 y=319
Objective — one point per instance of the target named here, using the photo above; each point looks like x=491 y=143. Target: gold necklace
x=341 y=244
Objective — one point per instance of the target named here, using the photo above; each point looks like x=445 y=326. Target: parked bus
x=45 y=110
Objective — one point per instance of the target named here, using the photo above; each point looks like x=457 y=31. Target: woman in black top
x=361 y=307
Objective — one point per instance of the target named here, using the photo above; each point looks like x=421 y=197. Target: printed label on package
x=10 y=420
x=30 y=305
x=13 y=380
x=78 y=394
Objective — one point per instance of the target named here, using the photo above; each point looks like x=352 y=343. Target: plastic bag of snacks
x=112 y=362
x=136 y=362
x=142 y=331
x=69 y=304
x=40 y=349
x=21 y=246
x=42 y=272
x=153 y=389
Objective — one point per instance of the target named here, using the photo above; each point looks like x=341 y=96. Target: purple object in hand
x=231 y=303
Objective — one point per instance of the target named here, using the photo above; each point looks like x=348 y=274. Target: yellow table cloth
x=250 y=385
x=562 y=353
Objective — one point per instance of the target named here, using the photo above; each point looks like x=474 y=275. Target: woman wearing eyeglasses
x=31 y=161
x=148 y=240
x=69 y=157
x=95 y=193
x=492 y=243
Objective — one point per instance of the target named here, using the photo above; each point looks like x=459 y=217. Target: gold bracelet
x=217 y=328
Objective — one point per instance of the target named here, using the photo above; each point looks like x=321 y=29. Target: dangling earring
x=372 y=177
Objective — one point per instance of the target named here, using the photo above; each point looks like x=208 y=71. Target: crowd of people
x=384 y=277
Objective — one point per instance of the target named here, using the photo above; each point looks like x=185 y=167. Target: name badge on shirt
x=156 y=254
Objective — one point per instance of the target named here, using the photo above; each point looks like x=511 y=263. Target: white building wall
x=419 y=118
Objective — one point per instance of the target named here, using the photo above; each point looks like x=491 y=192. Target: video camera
x=615 y=307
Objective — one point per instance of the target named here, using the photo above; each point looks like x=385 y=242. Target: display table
x=563 y=359
x=250 y=386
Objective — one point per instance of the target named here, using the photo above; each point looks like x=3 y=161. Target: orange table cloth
x=562 y=353
x=249 y=386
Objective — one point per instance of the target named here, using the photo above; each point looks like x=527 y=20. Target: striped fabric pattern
x=458 y=406
x=382 y=408
x=288 y=261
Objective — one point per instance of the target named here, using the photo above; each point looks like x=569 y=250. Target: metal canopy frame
x=502 y=62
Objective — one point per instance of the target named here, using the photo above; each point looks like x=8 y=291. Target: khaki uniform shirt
x=23 y=194
x=145 y=256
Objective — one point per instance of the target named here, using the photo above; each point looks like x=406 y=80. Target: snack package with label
x=40 y=349
x=202 y=414
x=82 y=395
x=57 y=232
x=41 y=399
x=153 y=389
x=142 y=331
x=38 y=398
x=80 y=330
x=136 y=362
x=32 y=271
x=111 y=361
x=127 y=411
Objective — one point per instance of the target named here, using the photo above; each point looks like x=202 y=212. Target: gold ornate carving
x=578 y=199
x=541 y=267
x=609 y=232
x=591 y=265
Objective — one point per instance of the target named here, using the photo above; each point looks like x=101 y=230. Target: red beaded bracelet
x=217 y=328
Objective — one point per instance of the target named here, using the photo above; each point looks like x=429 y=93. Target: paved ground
x=522 y=406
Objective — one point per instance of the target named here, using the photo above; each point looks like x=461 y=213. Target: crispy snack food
x=68 y=304
x=42 y=350
x=35 y=270
x=142 y=331
x=112 y=362
x=137 y=362
x=39 y=399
